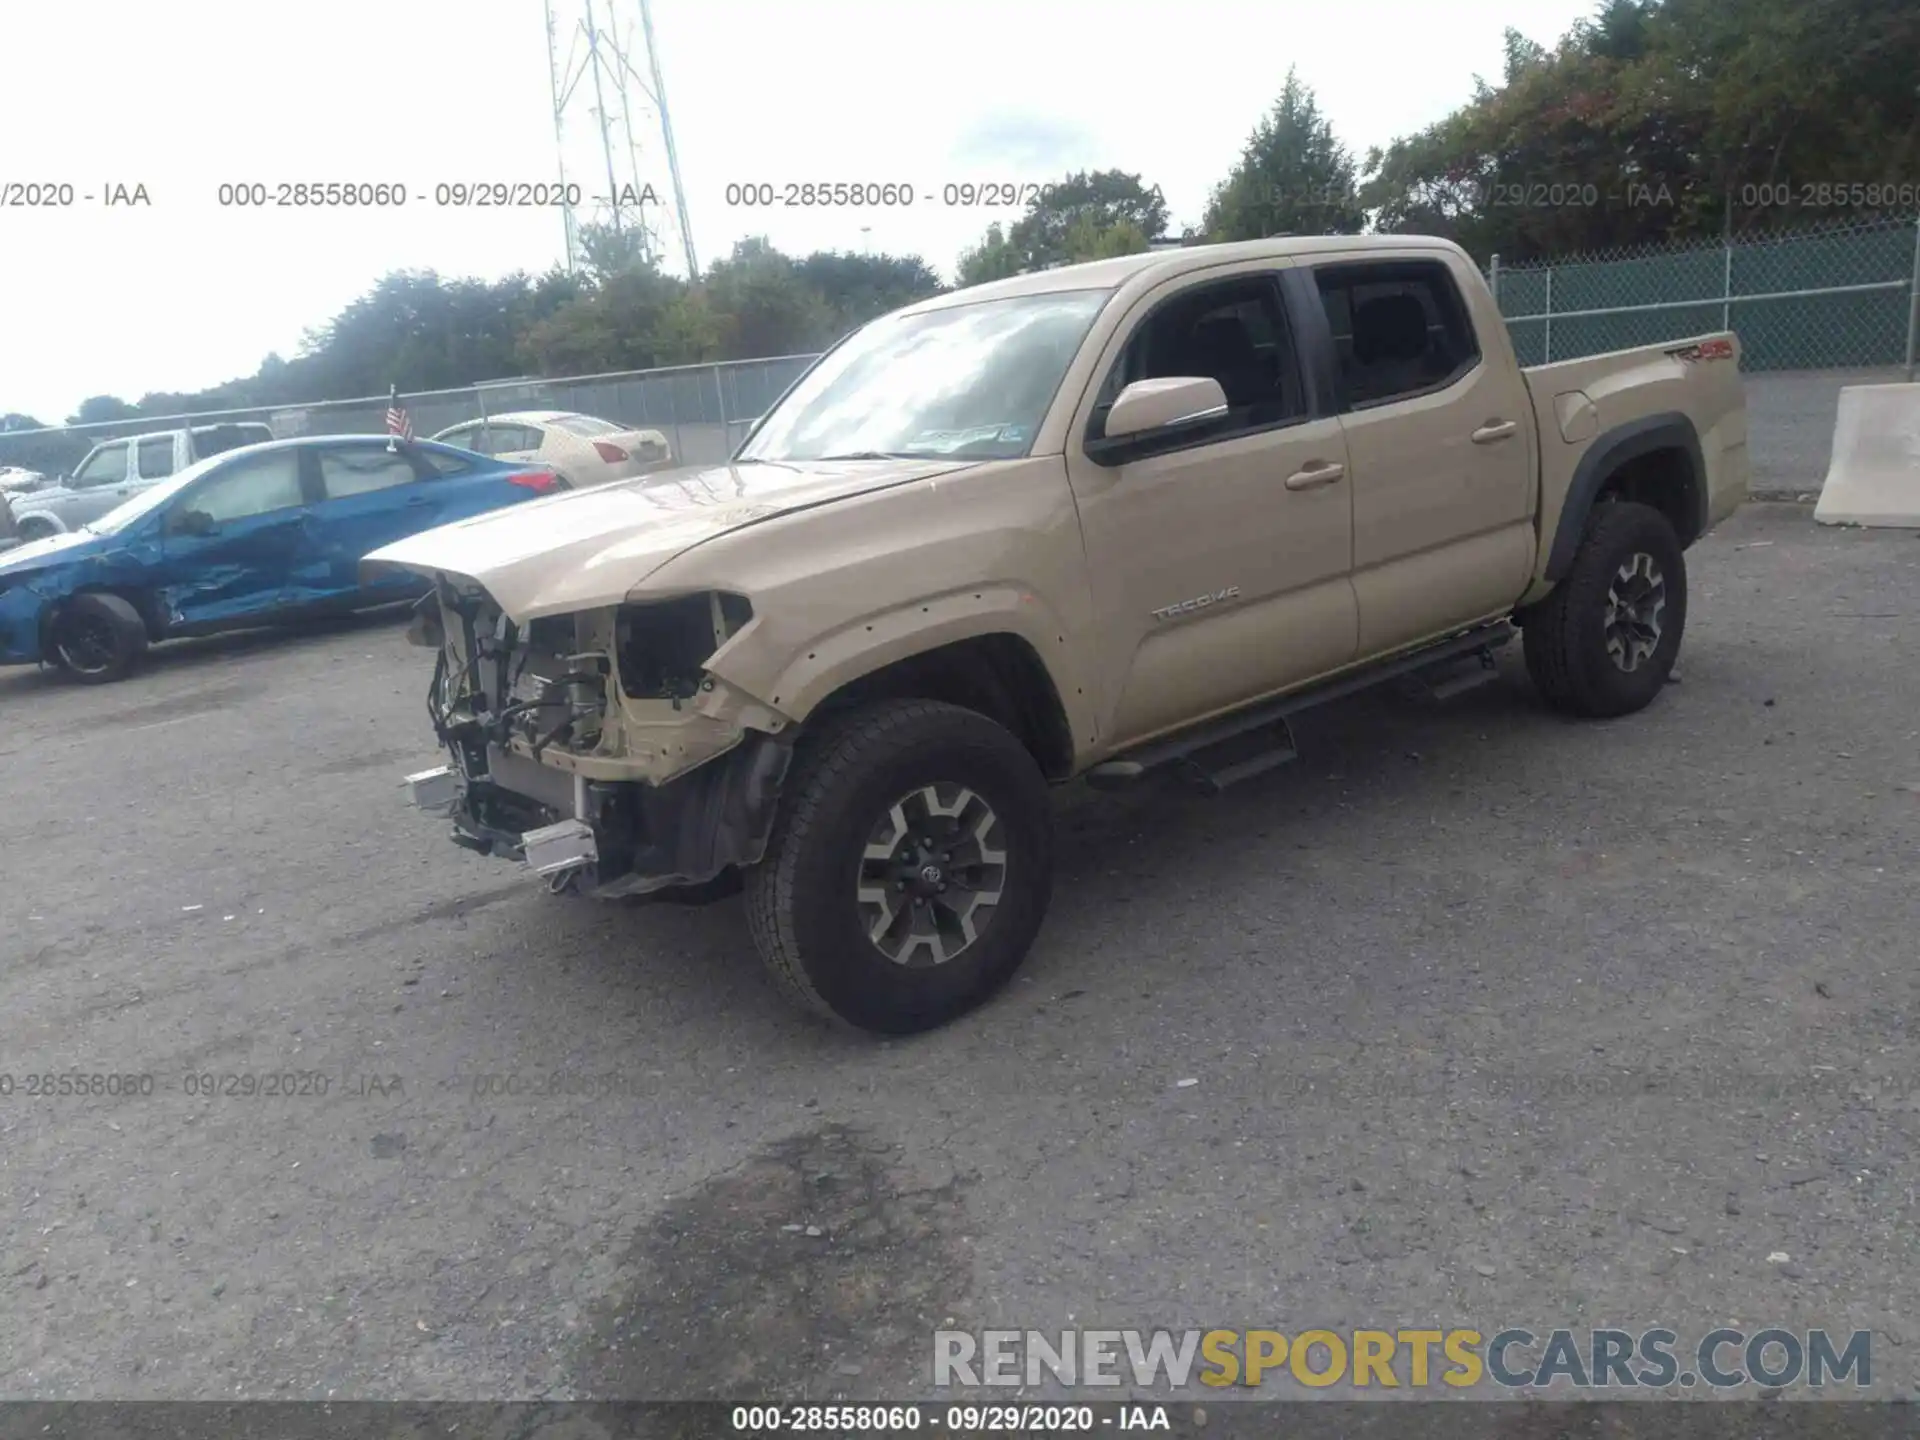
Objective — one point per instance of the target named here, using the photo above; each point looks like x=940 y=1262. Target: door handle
x=419 y=500
x=1495 y=430
x=1315 y=475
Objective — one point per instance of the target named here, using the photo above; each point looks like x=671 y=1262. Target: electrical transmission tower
x=612 y=132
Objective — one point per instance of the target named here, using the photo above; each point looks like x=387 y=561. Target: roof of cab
x=532 y=417
x=1113 y=273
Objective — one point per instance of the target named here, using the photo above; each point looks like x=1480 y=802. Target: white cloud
x=182 y=97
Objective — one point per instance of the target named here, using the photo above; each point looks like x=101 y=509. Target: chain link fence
x=703 y=410
x=1836 y=295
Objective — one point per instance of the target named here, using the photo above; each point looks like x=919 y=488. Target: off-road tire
x=115 y=637
x=1565 y=639
x=801 y=898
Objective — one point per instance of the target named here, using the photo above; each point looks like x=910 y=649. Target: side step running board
x=1258 y=739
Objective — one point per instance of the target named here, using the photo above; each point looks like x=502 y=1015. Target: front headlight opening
x=664 y=645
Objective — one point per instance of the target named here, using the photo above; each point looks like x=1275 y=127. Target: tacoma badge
x=1199 y=602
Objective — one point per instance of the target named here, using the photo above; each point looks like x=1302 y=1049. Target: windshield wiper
x=873 y=455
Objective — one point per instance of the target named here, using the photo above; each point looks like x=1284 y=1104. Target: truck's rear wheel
x=1605 y=639
x=909 y=869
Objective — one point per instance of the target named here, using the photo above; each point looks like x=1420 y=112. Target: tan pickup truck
x=1102 y=521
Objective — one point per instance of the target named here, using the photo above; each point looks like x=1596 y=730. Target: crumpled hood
x=589 y=547
x=38 y=554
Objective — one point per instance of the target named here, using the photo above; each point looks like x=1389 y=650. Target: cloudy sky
x=180 y=97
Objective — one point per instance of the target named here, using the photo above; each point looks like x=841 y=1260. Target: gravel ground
x=1494 y=1018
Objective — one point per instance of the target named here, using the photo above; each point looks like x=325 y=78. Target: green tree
x=96 y=409
x=764 y=306
x=859 y=288
x=755 y=302
x=51 y=454
x=994 y=258
x=622 y=323
x=1089 y=240
x=690 y=330
x=427 y=333
x=1293 y=178
x=606 y=252
x=1664 y=119
x=1059 y=221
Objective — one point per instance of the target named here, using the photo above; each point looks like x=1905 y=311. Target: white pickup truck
x=116 y=470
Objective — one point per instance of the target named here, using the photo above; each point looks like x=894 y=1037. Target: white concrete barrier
x=1874 y=475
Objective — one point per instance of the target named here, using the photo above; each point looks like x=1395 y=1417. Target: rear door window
x=1400 y=328
x=512 y=439
x=155 y=457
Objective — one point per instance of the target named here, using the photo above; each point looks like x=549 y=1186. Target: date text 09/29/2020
x=387 y=194
x=908 y=1419
x=884 y=194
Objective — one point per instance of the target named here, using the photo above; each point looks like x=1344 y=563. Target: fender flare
x=1669 y=430
x=871 y=642
x=22 y=517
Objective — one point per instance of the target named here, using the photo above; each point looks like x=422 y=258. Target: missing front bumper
x=622 y=837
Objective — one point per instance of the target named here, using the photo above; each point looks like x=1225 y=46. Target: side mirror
x=1169 y=404
x=1148 y=409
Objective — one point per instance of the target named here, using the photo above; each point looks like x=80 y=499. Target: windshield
x=151 y=499
x=970 y=382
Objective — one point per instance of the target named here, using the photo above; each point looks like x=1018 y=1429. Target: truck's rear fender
x=1655 y=460
x=1664 y=424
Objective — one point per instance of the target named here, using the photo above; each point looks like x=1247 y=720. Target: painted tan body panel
x=1577 y=400
x=1443 y=517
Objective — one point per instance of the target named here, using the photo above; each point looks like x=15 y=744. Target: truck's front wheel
x=909 y=869
x=1605 y=639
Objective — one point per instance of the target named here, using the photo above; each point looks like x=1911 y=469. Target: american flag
x=398 y=424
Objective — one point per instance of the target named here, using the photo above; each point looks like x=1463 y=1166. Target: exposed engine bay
x=596 y=747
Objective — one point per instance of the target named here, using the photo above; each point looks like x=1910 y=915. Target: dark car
x=260 y=534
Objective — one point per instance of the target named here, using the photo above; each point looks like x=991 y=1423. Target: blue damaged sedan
x=249 y=537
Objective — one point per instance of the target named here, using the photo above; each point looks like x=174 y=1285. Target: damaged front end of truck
x=597 y=747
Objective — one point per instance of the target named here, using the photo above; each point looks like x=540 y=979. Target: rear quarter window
x=445 y=462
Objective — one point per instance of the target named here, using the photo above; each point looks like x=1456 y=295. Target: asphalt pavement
x=1473 y=1016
